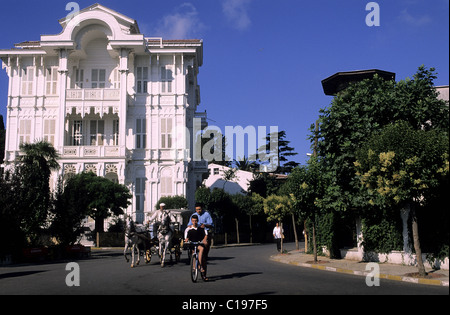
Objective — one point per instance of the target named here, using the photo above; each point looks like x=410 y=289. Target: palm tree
x=41 y=154
x=245 y=164
x=36 y=163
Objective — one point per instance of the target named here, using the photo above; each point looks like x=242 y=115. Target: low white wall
x=395 y=257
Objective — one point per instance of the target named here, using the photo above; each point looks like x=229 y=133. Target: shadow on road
x=233 y=276
x=219 y=258
x=19 y=274
x=106 y=254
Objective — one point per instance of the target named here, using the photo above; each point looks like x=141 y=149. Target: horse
x=135 y=237
x=165 y=235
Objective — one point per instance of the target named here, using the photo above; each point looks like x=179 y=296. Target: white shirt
x=277 y=232
x=158 y=216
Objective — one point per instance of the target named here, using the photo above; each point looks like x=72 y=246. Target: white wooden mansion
x=112 y=102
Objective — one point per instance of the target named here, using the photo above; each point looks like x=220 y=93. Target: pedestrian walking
x=278 y=235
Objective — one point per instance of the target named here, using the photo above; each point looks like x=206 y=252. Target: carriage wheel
x=177 y=254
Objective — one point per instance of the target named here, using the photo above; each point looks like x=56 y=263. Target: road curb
x=362 y=273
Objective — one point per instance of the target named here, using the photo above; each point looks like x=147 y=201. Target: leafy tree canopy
x=402 y=164
x=173 y=202
x=365 y=107
x=97 y=197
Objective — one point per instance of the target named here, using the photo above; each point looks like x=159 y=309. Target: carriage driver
x=156 y=218
x=196 y=233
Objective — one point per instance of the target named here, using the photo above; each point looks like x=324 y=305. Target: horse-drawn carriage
x=165 y=235
x=180 y=220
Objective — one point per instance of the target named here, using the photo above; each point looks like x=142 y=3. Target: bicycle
x=195 y=263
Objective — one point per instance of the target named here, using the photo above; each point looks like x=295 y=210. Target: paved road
x=232 y=271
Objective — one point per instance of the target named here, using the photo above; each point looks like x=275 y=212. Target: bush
x=173 y=202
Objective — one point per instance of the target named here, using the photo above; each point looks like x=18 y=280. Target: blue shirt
x=204 y=218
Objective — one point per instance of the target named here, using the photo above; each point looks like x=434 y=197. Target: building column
x=60 y=123
x=123 y=70
x=12 y=71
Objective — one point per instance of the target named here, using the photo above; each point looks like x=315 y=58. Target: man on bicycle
x=196 y=233
x=205 y=221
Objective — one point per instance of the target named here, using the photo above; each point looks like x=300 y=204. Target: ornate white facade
x=112 y=102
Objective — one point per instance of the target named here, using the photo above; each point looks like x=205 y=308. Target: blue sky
x=264 y=60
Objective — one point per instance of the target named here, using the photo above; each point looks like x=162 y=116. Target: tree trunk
x=99 y=227
x=306 y=235
x=237 y=230
x=417 y=248
x=314 y=241
x=251 y=230
x=295 y=231
x=282 y=236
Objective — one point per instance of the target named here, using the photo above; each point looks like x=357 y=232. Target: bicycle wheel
x=194 y=268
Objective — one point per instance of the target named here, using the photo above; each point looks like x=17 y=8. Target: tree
x=257 y=208
x=213 y=148
x=403 y=166
x=284 y=153
x=242 y=204
x=354 y=115
x=285 y=165
x=67 y=222
x=35 y=165
x=219 y=206
x=12 y=237
x=203 y=195
x=246 y=165
x=365 y=107
x=307 y=186
x=173 y=202
x=229 y=175
x=264 y=184
x=96 y=197
x=277 y=208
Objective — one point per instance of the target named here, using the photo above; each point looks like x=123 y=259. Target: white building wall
x=106 y=40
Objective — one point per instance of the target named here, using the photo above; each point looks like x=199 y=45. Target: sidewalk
x=387 y=271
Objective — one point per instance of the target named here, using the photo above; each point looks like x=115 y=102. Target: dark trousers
x=278 y=241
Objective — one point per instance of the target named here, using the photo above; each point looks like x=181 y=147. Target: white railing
x=93 y=94
x=93 y=151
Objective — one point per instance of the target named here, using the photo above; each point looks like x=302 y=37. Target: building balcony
x=93 y=95
x=93 y=152
x=99 y=101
